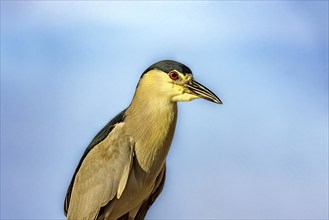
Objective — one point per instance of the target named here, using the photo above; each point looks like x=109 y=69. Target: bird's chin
x=186 y=97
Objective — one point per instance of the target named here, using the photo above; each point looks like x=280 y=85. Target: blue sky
x=69 y=67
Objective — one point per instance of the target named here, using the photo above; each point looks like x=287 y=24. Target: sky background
x=68 y=67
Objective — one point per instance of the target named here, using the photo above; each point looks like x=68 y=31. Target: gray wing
x=98 y=138
x=102 y=176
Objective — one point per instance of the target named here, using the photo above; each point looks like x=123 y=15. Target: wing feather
x=102 y=176
x=125 y=175
x=102 y=134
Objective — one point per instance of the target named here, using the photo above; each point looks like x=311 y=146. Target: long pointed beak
x=202 y=92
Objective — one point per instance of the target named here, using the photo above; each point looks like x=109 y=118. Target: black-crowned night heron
x=122 y=171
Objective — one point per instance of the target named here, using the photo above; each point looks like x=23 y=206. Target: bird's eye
x=173 y=75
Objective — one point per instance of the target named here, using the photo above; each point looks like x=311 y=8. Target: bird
x=123 y=169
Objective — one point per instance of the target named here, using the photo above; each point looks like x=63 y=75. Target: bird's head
x=174 y=80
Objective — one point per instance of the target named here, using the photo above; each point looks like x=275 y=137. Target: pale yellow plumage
x=124 y=172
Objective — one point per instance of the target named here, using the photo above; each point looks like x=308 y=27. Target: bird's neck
x=151 y=120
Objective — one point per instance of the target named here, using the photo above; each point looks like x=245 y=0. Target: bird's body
x=123 y=170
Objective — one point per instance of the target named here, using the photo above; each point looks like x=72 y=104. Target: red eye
x=173 y=75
